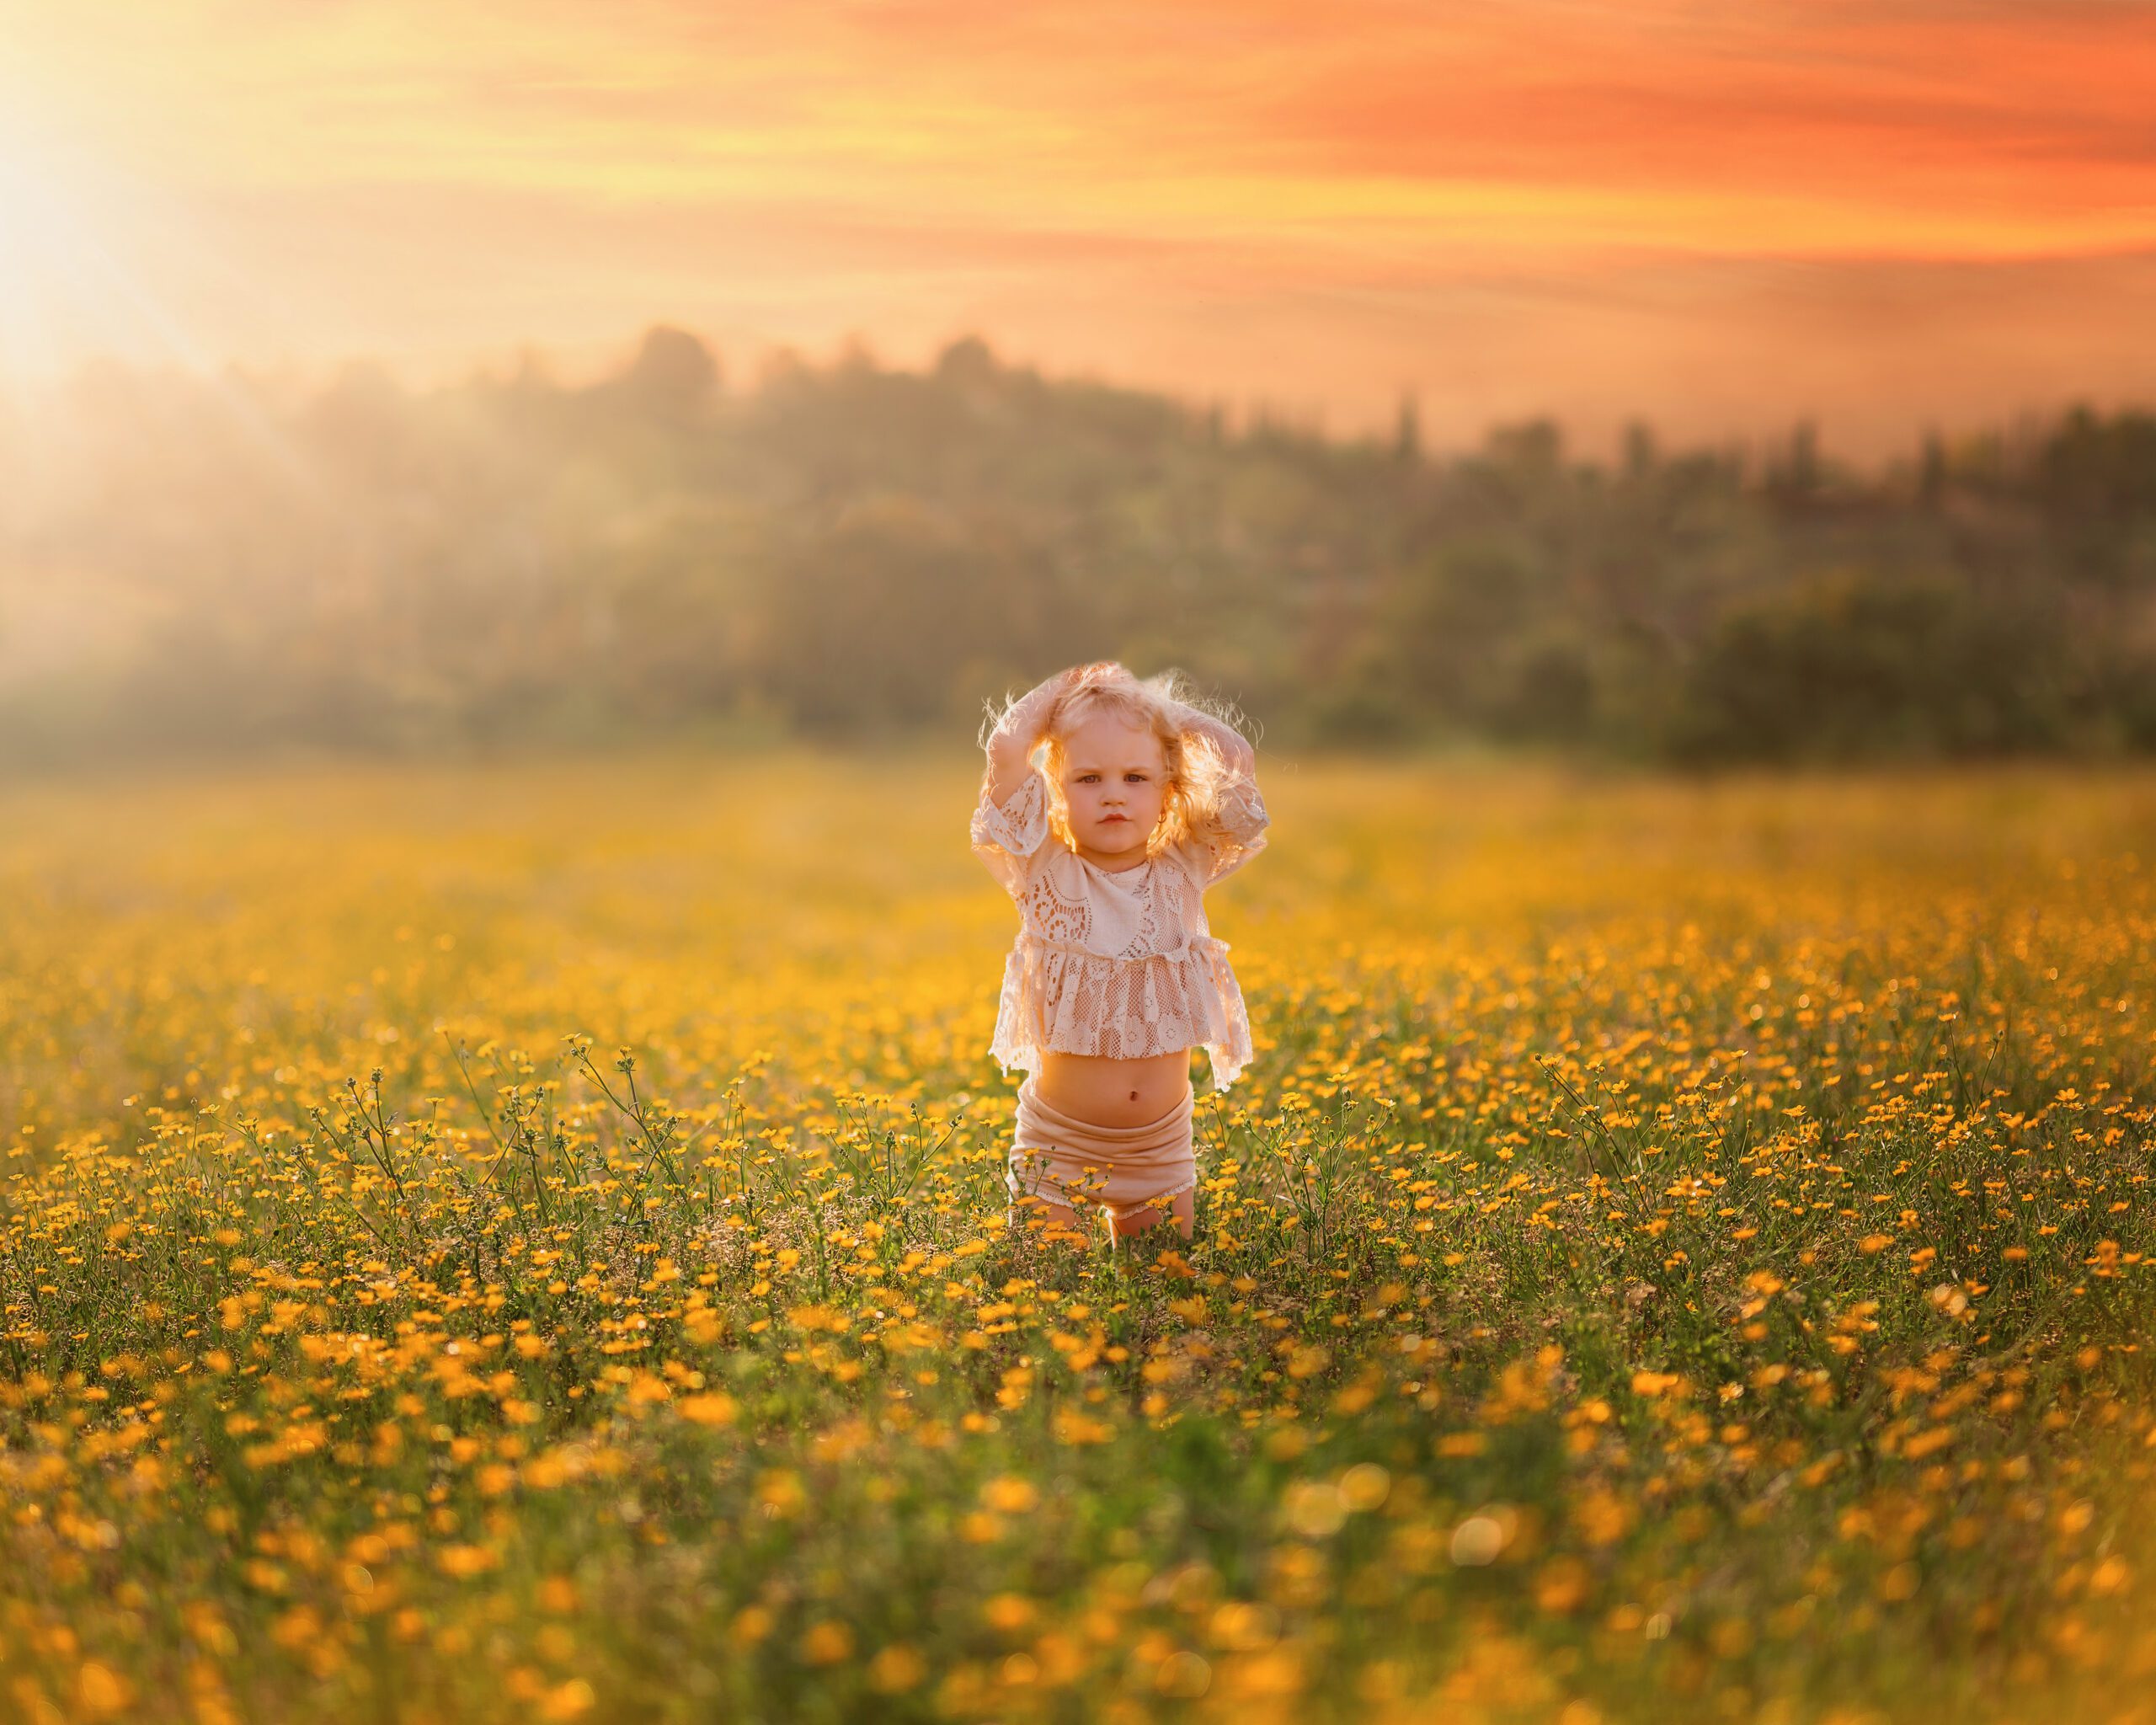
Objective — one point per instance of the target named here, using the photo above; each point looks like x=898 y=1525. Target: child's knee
x=1138 y=1221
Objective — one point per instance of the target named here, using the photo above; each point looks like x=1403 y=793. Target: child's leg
x=1043 y=1204
x=1052 y=1220
x=1182 y=1208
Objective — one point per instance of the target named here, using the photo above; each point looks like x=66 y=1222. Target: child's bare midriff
x=1113 y=1093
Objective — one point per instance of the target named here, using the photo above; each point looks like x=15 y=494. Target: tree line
x=844 y=551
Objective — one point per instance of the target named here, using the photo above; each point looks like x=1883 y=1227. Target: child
x=1137 y=804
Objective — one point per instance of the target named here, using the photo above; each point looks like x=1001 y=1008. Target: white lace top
x=1120 y=964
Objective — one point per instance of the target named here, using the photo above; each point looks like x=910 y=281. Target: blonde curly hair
x=1192 y=762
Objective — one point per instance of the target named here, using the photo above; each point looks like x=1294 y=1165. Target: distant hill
x=219 y=565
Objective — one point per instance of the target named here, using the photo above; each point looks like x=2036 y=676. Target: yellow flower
x=713 y=1408
x=1009 y=1495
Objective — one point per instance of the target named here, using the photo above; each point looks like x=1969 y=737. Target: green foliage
x=847 y=551
x=1856 y=664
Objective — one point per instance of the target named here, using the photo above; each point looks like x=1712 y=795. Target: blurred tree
x=1931 y=472
x=1547 y=694
x=1856 y=663
x=2095 y=482
x=674 y=376
x=1407 y=429
x=868 y=619
x=247 y=561
x=1641 y=454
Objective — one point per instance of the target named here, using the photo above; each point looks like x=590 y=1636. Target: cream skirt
x=1121 y=1169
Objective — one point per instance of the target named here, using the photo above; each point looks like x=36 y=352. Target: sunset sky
x=1718 y=217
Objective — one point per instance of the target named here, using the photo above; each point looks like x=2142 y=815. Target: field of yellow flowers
x=526 y=1242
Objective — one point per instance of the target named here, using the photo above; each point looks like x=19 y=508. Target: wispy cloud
x=1121 y=185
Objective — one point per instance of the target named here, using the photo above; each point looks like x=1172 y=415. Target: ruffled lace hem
x=1070 y=1002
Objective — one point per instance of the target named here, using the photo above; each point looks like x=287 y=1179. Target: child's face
x=1115 y=784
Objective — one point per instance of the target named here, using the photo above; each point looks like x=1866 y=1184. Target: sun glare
x=64 y=291
x=45 y=251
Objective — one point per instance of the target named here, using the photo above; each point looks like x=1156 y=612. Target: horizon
x=597 y=364
x=1880 y=221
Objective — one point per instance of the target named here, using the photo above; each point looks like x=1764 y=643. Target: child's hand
x=1024 y=720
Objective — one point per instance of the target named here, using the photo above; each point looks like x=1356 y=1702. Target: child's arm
x=1011 y=745
x=1234 y=748
x=1236 y=832
x=1010 y=823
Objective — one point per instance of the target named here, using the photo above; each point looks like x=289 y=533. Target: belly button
x=1134 y=1096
